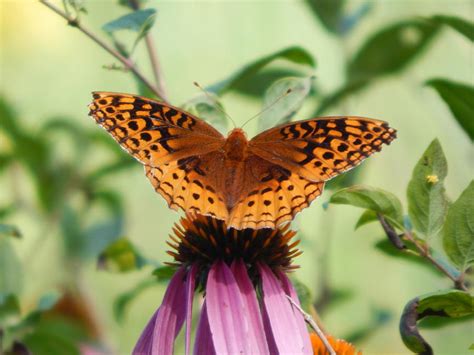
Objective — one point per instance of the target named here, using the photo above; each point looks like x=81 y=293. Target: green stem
x=74 y=22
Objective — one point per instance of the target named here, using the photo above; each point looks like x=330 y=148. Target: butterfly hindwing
x=271 y=195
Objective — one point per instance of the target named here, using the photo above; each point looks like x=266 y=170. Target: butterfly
x=256 y=183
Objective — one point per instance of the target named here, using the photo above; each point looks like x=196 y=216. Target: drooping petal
x=257 y=337
x=144 y=343
x=203 y=344
x=291 y=292
x=190 y=283
x=281 y=317
x=228 y=322
x=167 y=321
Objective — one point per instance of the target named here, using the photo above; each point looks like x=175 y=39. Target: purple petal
x=190 y=282
x=290 y=291
x=228 y=321
x=203 y=343
x=167 y=321
x=282 y=320
x=256 y=337
x=145 y=341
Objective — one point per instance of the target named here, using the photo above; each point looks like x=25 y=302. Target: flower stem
x=313 y=325
x=155 y=63
x=74 y=22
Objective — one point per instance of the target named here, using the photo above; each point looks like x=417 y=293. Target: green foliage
x=139 y=21
x=329 y=12
x=9 y=307
x=387 y=51
x=391 y=49
x=209 y=108
x=427 y=201
x=8 y=230
x=458 y=233
x=462 y=26
x=282 y=100
x=446 y=303
x=296 y=55
x=460 y=100
x=11 y=278
x=304 y=294
x=123 y=301
x=121 y=256
x=163 y=273
x=366 y=217
x=376 y=200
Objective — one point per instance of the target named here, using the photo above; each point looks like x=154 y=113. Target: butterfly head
x=236 y=145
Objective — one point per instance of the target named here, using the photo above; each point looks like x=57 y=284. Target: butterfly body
x=256 y=183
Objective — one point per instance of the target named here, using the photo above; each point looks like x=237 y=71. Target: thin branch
x=314 y=326
x=155 y=63
x=74 y=22
x=423 y=252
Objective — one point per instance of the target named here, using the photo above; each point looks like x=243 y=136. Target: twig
x=74 y=22
x=313 y=325
x=425 y=253
x=155 y=63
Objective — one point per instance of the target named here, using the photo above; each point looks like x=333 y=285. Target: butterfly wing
x=173 y=145
x=299 y=158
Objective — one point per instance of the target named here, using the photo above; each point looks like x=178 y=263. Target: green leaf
x=367 y=216
x=427 y=201
x=304 y=294
x=340 y=95
x=329 y=12
x=464 y=27
x=140 y=21
x=164 y=273
x=446 y=303
x=122 y=302
x=256 y=85
x=297 y=55
x=54 y=336
x=373 y=199
x=121 y=256
x=11 y=277
x=9 y=230
x=460 y=100
x=9 y=308
x=391 y=49
x=282 y=101
x=458 y=232
x=209 y=108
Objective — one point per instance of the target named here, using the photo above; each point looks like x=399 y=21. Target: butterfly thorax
x=236 y=145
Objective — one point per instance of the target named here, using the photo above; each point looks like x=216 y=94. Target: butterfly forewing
x=153 y=132
x=322 y=148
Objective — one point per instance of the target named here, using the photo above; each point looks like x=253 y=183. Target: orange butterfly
x=250 y=184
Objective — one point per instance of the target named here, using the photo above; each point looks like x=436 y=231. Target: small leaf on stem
x=427 y=200
x=458 y=231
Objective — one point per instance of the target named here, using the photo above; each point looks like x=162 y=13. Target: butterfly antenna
x=218 y=107
x=286 y=93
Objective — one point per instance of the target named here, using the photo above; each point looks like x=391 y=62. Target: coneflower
x=243 y=277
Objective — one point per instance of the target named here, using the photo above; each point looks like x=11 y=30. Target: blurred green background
x=49 y=69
